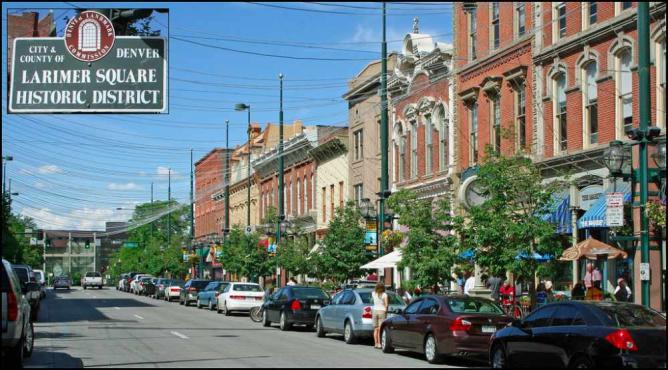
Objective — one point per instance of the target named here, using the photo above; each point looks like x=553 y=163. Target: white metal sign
x=249 y=230
x=614 y=213
x=644 y=271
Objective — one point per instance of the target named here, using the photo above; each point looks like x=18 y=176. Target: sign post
x=614 y=213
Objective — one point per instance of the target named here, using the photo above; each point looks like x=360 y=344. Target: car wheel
x=84 y=287
x=29 y=341
x=348 y=333
x=431 y=350
x=265 y=319
x=16 y=354
x=199 y=305
x=181 y=301
x=499 y=357
x=225 y=309
x=210 y=305
x=385 y=341
x=319 y=330
x=581 y=362
x=283 y=323
x=100 y=287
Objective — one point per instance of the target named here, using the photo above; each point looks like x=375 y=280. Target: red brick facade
x=209 y=179
x=294 y=178
x=26 y=25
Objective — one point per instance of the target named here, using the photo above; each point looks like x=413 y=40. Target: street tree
x=507 y=229
x=432 y=248
x=16 y=246
x=342 y=253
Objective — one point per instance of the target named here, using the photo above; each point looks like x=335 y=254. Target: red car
x=444 y=325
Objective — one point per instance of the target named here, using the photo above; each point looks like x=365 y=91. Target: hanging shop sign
x=90 y=69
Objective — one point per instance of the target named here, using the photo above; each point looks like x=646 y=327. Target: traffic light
x=47 y=242
x=87 y=244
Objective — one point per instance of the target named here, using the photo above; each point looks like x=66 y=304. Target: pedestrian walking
x=593 y=274
x=379 y=311
x=494 y=285
x=460 y=283
x=541 y=295
x=622 y=291
x=470 y=282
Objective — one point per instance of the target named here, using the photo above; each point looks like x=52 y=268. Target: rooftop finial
x=416 y=22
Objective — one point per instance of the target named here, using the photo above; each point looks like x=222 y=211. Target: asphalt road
x=108 y=328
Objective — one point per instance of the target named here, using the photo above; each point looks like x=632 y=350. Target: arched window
x=443 y=128
x=300 y=207
x=306 y=194
x=590 y=103
x=560 y=123
x=496 y=122
x=428 y=144
x=89 y=36
x=624 y=87
x=473 y=134
x=414 y=144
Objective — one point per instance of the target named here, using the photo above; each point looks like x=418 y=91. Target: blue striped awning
x=560 y=213
x=595 y=216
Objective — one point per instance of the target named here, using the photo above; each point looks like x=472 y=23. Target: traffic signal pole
x=644 y=108
x=383 y=137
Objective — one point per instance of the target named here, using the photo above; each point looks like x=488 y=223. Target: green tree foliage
x=507 y=229
x=153 y=254
x=432 y=248
x=16 y=246
x=343 y=251
x=243 y=256
x=293 y=255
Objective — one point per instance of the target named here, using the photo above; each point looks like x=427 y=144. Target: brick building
x=209 y=179
x=556 y=81
x=27 y=25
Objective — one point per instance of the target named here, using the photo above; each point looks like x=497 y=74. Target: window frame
x=414 y=151
x=519 y=93
x=472 y=33
x=495 y=119
x=560 y=117
x=520 y=21
x=589 y=104
x=428 y=143
x=473 y=133
x=495 y=25
x=622 y=121
x=443 y=138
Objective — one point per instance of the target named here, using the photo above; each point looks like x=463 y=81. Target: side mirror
x=399 y=311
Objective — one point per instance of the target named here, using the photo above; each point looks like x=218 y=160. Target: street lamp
x=367 y=209
x=5 y=159
x=240 y=107
x=659 y=156
x=615 y=157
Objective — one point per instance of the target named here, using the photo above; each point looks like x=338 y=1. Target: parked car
x=437 y=325
x=134 y=284
x=190 y=289
x=41 y=280
x=25 y=275
x=125 y=279
x=209 y=295
x=152 y=288
x=583 y=334
x=239 y=297
x=140 y=283
x=294 y=305
x=62 y=282
x=148 y=285
x=92 y=278
x=350 y=314
x=17 y=328
x=173 y=289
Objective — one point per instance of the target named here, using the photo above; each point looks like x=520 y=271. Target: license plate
x=315 y=306
x=488 y=329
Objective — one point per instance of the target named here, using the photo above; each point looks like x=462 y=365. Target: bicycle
x=256 y=313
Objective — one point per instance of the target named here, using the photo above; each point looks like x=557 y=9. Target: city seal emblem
x=89 y=36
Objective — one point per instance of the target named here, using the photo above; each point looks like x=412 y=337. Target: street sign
x=248 y=230
x=614 y=213
x=644 y=271
x=130 y=78
x=130 y=244
x=370 y=238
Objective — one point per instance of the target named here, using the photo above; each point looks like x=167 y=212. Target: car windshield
x=309 y=293
x=629 y=315
x=392 y=298
x=177 y=283
x=246 y=288
x=199 y=284
x=22 y=274
x=463 y=305
x=39 y=275
x=93 y=274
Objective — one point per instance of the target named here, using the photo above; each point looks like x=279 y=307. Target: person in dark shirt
x=578 y=292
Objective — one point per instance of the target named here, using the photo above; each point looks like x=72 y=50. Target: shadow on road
x=137 y=364
x=52 y=335
x=42 y=357
x=166 y=328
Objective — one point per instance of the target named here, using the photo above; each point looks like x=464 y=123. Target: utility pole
x=227 y=181
x=281 y=169
x=248 y=212
x=151 y=208
x=383 y=136
x=644 y=108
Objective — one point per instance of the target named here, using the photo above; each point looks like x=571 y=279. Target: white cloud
x=49 y=169
x=40 y=185
x=163 y=173
x=26 y=171
x=78 y=219
x=128 y=186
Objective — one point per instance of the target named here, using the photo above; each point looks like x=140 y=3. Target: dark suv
x=294 y=305
x=17 y=329
x=190 y=290
x=25 y=275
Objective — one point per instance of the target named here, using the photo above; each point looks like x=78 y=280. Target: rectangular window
x=626 y=5
x=591 y=102
x=331 y=201
x=474 y=133
x=300 y=200
x=560 y=112
x=414 y=155
x=428 y=132
x=520 y=12
x=324 y=204
x=561 y=15
x=307 y=195
x=359 y=194
x=402 y=157
x=359 y=144
x=520 y=112
x=495 y=25
x=341 y=194
x=473 y=30
x=496 y=122
x=592 y=12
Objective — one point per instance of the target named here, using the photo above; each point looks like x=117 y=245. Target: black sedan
x=294 y=305
x=583 y=334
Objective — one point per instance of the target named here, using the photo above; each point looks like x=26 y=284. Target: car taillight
x=296 y=305
x=259 y=298
x=174 y=289
x=191 y=289
x=366 y=313
x=217 y=294
x=12 y=306
x=142 y=284
x=460 y=324
x=237 y=297
x=622 y=339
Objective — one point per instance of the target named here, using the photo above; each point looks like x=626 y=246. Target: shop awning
x=388 y=260
x=595 y=216
x=560 y=213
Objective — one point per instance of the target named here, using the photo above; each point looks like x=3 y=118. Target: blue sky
x=73 y=171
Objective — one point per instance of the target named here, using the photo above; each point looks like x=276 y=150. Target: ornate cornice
x=507 y=56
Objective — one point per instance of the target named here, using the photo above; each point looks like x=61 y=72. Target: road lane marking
x=117 y=308
x=179 y=335
x=139 y=317
x=94 y=296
